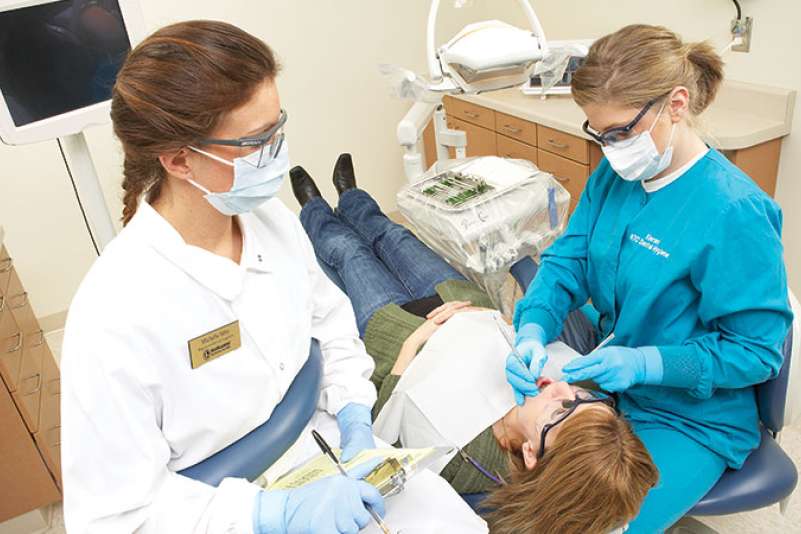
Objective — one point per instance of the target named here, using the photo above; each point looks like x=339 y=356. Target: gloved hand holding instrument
x=524 y=365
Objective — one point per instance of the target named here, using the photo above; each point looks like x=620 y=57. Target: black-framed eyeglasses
x=269 y=142
x=583 y=396
x=618 y=133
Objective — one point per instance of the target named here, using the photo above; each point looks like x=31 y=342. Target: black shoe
x=344 y=178
x=303 y=185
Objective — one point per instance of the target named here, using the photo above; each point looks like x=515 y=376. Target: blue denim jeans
x=372 y=259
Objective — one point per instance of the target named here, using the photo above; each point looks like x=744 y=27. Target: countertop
x=742 y=115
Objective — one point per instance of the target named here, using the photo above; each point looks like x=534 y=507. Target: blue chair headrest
x=252 y=454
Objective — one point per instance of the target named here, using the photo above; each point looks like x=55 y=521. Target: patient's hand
x=418 y=338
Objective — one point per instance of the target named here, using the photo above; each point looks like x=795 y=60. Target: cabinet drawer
x=5 y=269
x=566 y=145
x=10 y=348
x=480 y=141
x=572 y=175
x=478 y=115
x=516 y=128
x=28 y=395
x=50 y=412
x=26 y=480
x=49 y=444
x=19 y=305
x=510 y=148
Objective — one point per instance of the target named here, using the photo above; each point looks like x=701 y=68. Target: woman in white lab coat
x=189 y=329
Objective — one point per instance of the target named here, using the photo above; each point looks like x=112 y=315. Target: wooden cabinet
x=480 y=141
x=30 y=391
x=570 y=158
x=516 y=128
x=511 y=148
x=572 y=175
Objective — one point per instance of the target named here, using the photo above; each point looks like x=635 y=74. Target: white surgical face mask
x=637 y=159
x=253 y=185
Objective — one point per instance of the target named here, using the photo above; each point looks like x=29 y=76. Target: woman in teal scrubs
x=681 y=255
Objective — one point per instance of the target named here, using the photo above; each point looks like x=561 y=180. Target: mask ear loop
x=653 y=125
x=212 y=156
x=208 y=155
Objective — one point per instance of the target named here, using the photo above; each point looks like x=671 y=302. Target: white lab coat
x=134 y=411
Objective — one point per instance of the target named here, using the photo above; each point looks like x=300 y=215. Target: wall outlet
x=742 y=28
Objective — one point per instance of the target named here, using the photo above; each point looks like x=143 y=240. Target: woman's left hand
x=617 y=368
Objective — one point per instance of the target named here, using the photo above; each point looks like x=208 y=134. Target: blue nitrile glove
x=335 y=504
x=617 y=368
x=530 y=343
x=355 y=430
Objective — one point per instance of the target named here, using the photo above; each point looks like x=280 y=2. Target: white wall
x=774 y=59
x=338 y=102
x=330 y=85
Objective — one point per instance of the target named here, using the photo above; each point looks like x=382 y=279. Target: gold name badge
x=214 y=344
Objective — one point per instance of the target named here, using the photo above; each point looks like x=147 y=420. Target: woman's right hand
x=335 y=504
x=522 y=375
x=418 y=338
x=437 y=318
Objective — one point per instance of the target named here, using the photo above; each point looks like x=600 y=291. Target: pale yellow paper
x=321 y=466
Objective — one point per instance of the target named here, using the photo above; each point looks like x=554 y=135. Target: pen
x=330 y=453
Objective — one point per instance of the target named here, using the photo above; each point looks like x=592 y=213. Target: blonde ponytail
x=640 y=63
x=708 y=67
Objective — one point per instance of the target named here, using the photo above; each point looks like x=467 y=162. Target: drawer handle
x=23 y=296
x=556 y=144
x=2 y=302
x=6 y=265
x=509 y=155
x=471 y=114
x=54 y=387
x=18 y=346
x=36 y=389
x=561 y=180
x=54 y=436
x=512 y=129
x=41 y=340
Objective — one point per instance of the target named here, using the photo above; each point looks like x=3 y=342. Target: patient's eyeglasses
x=267 y=143
x=567 y=407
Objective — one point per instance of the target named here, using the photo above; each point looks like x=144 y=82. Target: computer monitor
x=58 y=62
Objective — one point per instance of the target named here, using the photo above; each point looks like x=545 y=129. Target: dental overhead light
x=485 y=56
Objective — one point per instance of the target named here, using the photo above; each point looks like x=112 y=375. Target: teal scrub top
x=694 y=269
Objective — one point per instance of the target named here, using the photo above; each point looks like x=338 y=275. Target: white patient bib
x=454 y=389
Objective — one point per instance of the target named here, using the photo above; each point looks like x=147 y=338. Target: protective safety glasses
x=618 y=133
x=567 y=407
x=268 y=144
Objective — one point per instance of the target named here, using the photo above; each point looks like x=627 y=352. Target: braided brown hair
x=173 y=90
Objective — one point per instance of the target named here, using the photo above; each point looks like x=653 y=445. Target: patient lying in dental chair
x=564 y=461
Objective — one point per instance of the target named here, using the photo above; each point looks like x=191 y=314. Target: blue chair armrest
x=252 y=454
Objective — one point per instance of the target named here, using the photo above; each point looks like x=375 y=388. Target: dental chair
x=252 y=454
x=768 y=475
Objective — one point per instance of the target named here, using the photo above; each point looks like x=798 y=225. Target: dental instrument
x=330 y=453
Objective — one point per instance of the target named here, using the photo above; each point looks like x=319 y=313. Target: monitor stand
x=88 y=190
